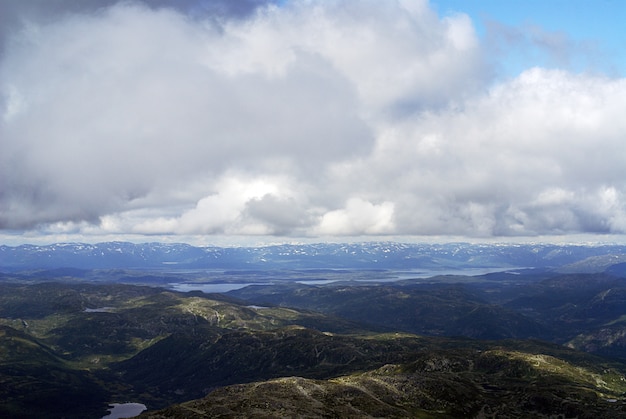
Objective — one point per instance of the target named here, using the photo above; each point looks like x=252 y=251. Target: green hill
x=36 y=383
x=68 y=349
x=443 y=383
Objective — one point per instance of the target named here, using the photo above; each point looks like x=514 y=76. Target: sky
x=252 y=121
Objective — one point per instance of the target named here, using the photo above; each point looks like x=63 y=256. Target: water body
x=99 y=310
x=211 y=288
x=389 y=277
x=124 y=410
x=410 y=274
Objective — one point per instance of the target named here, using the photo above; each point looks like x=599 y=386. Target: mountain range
x=373 y=255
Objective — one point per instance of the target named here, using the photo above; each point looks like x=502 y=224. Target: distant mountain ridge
x=371 y=255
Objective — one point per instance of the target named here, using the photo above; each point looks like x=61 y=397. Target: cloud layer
x=305 y=119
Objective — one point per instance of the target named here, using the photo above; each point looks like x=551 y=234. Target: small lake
x=124 y=410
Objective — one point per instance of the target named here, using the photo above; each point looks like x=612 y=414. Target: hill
x=451 y=346
x=447 y=383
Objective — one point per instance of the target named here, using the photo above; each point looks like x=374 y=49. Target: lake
x=388 y=276
x=124 y=410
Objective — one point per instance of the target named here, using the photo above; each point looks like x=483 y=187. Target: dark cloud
x=14 y=10
x=15 y=13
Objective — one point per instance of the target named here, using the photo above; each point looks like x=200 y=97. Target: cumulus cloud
x=239 y=206
x=136 y=102
x=302 y=118
x=359 y=217
x=529 y=157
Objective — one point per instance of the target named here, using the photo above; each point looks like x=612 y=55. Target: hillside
x=507 y=344
x=459 y=383
x=583 y=311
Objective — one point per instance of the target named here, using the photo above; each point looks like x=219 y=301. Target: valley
x=316 y=342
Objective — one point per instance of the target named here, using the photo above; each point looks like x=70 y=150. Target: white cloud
x=239 y=205
x=359 y=217
x=314 y=118
x=523 y=159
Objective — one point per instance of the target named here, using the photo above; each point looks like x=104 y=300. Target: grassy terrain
x=437 y=384
x=67 y=349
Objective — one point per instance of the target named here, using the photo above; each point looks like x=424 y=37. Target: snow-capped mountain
x=375 y=255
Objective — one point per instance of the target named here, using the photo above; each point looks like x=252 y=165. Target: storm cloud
x=298 y=119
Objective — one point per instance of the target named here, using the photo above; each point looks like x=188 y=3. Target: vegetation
x=67 y=349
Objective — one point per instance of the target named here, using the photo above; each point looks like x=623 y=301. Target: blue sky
x=590 y=33
x=241 y=122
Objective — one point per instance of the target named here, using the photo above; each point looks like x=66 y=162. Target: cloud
x=530 y=157
x=359 y=217
x=239 y=206
x=305 y=119
x=135 y=103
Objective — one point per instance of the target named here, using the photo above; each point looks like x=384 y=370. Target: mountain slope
x=445 y=310
x=113 y=342
x=584 y=311
x=37 y=383
x=438 y=384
